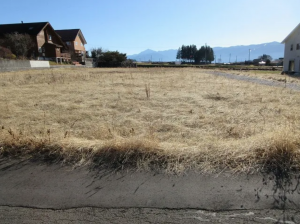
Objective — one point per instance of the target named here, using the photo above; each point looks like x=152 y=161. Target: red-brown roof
x=70 y=35
x=32 y=29
x=29 y=28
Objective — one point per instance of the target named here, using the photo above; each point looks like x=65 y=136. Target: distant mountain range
x=223 y=54
x=150 y=55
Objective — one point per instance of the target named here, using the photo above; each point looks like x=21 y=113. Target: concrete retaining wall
x=89 y=63
x=14 y=65
x=39 y=64
x=9 y=65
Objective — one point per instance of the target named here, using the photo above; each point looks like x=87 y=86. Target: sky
x=132 y=26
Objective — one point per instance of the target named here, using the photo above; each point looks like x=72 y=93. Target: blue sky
x=131 y=26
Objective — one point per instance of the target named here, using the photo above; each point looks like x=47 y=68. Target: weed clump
x=276 y=154
x=281 y=156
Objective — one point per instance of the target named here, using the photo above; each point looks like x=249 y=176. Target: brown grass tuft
x=281 y=153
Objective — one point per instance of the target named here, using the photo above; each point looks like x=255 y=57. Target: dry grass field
x=169 y=119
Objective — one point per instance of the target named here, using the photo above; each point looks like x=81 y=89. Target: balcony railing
x=66 y=55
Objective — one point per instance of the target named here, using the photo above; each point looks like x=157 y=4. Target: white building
x=292 y=51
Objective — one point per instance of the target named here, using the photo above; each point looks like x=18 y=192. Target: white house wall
x=293 y=55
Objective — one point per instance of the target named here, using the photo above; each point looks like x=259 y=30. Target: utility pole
x=249 y=54
x=205 y=53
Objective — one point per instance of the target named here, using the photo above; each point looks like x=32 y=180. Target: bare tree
x=19 y=44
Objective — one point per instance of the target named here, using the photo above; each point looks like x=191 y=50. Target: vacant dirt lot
x=170 y=119
x=164 y=120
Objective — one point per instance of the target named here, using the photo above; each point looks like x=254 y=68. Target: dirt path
x=14 y=215
x=260 y=81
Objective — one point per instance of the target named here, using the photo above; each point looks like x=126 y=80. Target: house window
x=81 y=44
x=76 y=43
x=291 y=47
x=68 y=43
x=50 y=37
x=298 y=47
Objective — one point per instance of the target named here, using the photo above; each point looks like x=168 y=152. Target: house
x=47 y=43
x=75 y=42
x=291 y=61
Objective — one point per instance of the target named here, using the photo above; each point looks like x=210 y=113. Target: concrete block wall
x=10 y=65
x=14 y=65
x=89 y=63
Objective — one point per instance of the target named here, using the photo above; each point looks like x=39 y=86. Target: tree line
x=190 y=53
x=110 y=58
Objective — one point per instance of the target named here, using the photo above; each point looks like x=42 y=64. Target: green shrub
x=6 y=53
x=111 y=59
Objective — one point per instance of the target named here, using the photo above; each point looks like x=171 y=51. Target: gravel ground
x=14 y=215
x=266 y=82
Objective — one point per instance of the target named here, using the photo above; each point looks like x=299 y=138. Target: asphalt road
x=17 y=215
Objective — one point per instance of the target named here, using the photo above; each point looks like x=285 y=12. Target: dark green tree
x=204 y=54
x=96 y=52
x=187 y=52
x=191 y=54
x=200 y=55
x=111 y=59
x=210 y=54
x=265 y=57
x=193 y=50
x=184 y=52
